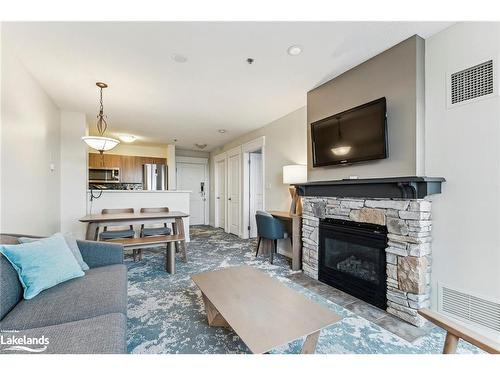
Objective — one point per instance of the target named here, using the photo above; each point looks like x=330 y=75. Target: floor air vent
x=472 y=83
x=470 y=308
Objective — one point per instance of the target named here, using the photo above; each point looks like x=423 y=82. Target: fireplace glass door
x=352 y=259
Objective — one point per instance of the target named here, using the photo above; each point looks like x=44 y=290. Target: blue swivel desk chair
x=269 y=228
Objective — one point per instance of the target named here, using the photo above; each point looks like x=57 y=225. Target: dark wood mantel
x=413 y=187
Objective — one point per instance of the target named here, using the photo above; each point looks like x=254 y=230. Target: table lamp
x=295 y=174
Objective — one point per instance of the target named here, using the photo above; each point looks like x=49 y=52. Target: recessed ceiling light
x=294 y=50
x=222 y=131
x=179 y=58
x=127 y=138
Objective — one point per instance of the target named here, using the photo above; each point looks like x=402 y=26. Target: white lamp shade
x=100 y=143
x=294 y=174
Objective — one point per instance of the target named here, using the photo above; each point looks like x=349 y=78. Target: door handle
x=228 y=199
x=218 y=197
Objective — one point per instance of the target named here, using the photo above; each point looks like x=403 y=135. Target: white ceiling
x=159 y=100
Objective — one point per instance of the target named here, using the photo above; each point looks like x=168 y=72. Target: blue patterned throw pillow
x=42 y=264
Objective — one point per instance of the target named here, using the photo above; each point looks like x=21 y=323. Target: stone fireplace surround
x=408 y=252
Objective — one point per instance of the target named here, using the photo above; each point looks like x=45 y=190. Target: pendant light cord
x=101 y=122
x=92 y=196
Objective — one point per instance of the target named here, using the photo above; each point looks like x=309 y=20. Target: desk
x=97 y=220
x=296 y=236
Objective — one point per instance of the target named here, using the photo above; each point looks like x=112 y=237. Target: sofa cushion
x=101 y=291
x=100 y=254
x=112 y=234
x=11 y=290
x=163 y=231
x=104 y=334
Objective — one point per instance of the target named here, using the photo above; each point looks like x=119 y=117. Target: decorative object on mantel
x=295 y=174
x=413 y=187
x=100 y=142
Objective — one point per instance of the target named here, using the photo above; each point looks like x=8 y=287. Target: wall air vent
x=472 y=83
x=469 y=308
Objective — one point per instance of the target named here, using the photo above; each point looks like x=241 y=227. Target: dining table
x=95 y=221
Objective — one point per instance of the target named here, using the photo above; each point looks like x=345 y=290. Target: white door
x=192 y=177
x=221 y=193
x=233 y=192
x=256 y=201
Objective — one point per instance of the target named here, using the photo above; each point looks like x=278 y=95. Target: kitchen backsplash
x=120 y=186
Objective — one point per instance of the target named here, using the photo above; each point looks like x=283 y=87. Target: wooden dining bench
x=172 y=243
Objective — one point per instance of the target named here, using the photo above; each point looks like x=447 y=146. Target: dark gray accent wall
x=398 y=74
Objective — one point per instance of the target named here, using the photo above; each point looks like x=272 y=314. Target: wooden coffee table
x=263 y=312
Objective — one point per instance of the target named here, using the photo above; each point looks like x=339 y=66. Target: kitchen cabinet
x=105 y=160
x=95 y=161
x=130 y=166
x=131 y=169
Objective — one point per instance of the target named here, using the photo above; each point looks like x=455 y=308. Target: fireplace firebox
x=352 y=258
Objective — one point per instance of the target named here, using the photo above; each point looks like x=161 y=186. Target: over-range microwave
x=104 y=175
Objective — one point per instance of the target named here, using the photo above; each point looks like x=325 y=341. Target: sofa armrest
x=99 y=254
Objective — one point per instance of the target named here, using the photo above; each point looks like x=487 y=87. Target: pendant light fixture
x=100 y=142
x=340 y=149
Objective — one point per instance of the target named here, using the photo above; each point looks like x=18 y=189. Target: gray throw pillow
x=73 y=246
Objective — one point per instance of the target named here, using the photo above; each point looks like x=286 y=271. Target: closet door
x=233 y=199
x=220 y=194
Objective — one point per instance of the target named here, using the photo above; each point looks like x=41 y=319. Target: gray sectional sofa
x=83 y=315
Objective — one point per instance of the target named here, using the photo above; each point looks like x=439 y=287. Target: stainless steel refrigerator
x=154 y=177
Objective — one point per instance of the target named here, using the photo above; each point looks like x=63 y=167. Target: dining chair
x=155 y=231
x=269 y=228
x=120 y=233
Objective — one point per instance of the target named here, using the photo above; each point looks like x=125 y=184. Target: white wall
x=462 y=146
x=153 y=151
x=172 y=173
x=286 y=143
x=73 y=173
x=30 y=141
x=192 y=153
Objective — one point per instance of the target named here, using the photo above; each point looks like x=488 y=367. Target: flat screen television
x=355 y=135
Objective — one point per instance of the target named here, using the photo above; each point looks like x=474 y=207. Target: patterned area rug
x=166 y=313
